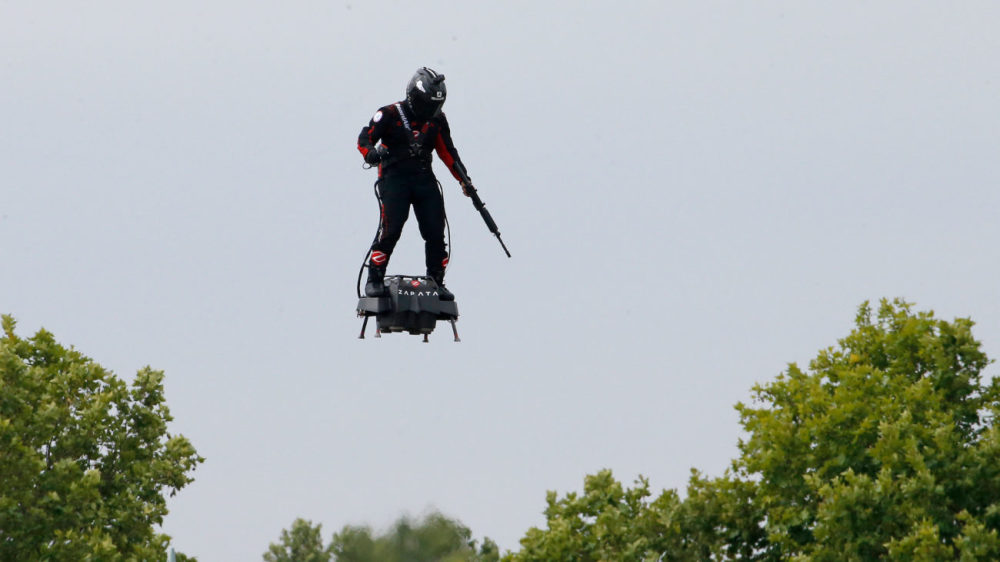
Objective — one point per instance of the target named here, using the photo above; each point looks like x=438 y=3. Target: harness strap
x=409 y=133
x=406 y=122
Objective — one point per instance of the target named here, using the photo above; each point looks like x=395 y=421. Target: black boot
x=443 y=292
x=375 y=287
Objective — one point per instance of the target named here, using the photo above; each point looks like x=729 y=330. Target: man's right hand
x=376 y=155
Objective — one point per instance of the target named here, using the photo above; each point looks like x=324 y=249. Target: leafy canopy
x=302 y=543
x=886 y=447
x=86 y=459
x=435 y=538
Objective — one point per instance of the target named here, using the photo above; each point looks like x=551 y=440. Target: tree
x=610 y=522
x=304 y=543
x=85 y=459
x=886 y=447
x=435 y=538
x=607 y=522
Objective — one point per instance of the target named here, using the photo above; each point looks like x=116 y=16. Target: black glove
x=376 y=155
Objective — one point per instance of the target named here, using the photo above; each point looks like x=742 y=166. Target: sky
x=695 y=194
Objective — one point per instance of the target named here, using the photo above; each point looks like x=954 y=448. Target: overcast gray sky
x=695 y=194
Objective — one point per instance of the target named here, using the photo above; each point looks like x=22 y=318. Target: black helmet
x=426 y=93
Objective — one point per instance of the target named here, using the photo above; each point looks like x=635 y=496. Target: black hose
x=447 y=224
x=378 y=232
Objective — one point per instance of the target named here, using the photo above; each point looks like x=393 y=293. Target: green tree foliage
x=611 y=523
x=303 y=543
x=85 y=459
x=435 y=538
x=885 y=448
x=606 y=522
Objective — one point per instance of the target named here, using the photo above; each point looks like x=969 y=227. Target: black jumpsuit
x=406 y=178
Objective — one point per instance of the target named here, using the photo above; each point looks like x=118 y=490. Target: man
x=409 y=131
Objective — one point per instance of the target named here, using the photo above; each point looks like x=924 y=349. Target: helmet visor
x=425 y=108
